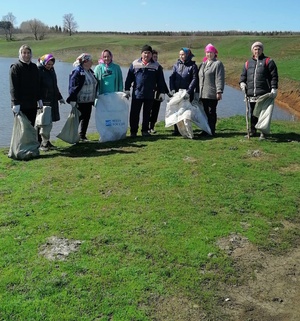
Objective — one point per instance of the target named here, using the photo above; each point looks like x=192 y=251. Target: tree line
x=70 y=26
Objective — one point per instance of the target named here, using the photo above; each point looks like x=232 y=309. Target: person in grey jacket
x=259 y=77
x=211 y=84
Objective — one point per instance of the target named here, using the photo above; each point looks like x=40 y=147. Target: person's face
x=146 y=55
x=87 y=64
x=155 y=57
x=182 y=55
x=210 y=55
x=26 y=55
x=257 y=51
x=49 y=65
x=106 y=58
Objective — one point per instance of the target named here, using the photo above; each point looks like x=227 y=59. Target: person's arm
x=194 y=80
x=76 y=82
x=14 y=85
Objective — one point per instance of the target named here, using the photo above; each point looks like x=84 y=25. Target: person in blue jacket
x=184 y=76
x=82 y=91
x=145 y=76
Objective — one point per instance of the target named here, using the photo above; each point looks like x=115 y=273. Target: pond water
x=232 y=103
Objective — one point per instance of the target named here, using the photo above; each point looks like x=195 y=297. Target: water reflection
x=232 y=103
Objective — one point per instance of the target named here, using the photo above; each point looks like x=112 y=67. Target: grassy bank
x=233 y=51
x=147 y=215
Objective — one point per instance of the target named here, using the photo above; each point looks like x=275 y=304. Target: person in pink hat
x=211 y=85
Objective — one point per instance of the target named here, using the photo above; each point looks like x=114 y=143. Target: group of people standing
x=34 y=85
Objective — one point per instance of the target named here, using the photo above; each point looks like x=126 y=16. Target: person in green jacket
x=108 y=74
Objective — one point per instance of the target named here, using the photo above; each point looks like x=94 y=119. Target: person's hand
x=243 y=86
x=161 y=97
x=62 y=101
x=186 y=96
x=170 y=94
x=127 y=94
x=16 y=109
x=40 y=104
x=274 y=92
x=73 y=103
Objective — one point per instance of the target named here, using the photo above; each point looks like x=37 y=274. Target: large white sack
x=24 y=144
x=111 y=116
x=263 y=110
x=44 y=116
x=69 y=132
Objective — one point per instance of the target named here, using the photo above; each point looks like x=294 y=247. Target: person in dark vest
x=259 y=77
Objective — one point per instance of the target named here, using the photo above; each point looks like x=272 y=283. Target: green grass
x=148 y=213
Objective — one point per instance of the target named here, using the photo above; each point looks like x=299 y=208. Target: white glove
x=274 y=93
x=40 y=104
x=62 y=101
x=127 y=94
x=243 y=86
x=196 y=96
x=73 y=103
x=172 y=92
x=16 y=109
x=186 y=96
x=161 y=97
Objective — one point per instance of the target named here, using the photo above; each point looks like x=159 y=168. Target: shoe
x=152 y=131
x=50 y=146
x=252 y=133
x=145 y=134
x=83 y=139
x=44 y=148
x=175 y=133
x=262 y=136
x=133 y=135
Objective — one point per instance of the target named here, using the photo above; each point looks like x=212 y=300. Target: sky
x=161 y=15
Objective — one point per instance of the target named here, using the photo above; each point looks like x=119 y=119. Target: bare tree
x=69 y=23
x=35 y=26
x=10 y=21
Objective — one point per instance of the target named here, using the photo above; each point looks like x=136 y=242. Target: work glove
x=62 y=101
x=186 y=96
x=170 y=94
x=196 y=96
x=274 y=92
x=40 y=104
x=161 y=97
x=73 y=103
x=243 y=86
x=16 y=109
x=127 y=94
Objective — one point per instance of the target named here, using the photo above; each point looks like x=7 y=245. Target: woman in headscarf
x=184 y=76
x=211 y=84
x=82 y=90
x=24 y=85
x=50 y=94
x=108 y=74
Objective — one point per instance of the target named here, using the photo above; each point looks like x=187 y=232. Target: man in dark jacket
x=259 y=77
x=145 y=76
x=24 y=85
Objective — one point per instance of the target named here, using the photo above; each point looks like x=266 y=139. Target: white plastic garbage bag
x=112 y=112
x=43 y=121
x=69 y=133
x=263 y=110
x=24 y=144
x=181 y=112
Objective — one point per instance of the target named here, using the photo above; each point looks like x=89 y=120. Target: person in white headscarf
x=259 y=77
x=24 y=85
x=82 y=90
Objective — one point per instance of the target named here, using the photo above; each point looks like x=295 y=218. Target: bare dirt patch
x=270 y=289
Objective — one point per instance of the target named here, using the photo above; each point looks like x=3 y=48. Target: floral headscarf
x=101 y=60
x=188 y=54
x=45 y=59
x=81 y=59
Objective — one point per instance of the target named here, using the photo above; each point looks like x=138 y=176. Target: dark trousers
x=210 y=108
x=253 y=119
x=154 y=113
x=30 y=114
x=134 y=118
x=84 y=119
